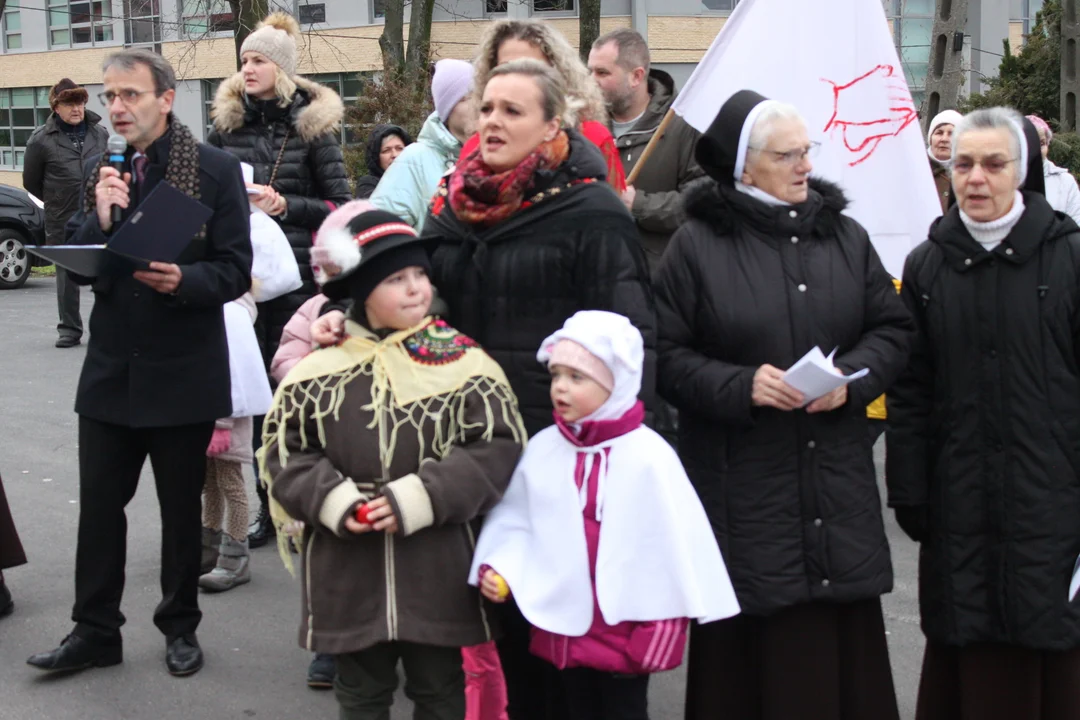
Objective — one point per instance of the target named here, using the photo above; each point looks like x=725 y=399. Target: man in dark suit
x=156 y=374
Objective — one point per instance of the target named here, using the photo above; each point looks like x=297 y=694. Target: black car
x=22 y=223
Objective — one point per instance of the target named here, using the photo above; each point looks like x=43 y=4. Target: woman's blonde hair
x=584 y=101
x=284 y=87
x=551 y=85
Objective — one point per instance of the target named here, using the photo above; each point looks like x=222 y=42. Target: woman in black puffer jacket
x=287 y=128
x=767 y=268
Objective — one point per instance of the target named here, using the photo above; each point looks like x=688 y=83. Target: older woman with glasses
x=767 y=268
x=984 y=439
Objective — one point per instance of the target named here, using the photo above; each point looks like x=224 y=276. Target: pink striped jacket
x=632 y=648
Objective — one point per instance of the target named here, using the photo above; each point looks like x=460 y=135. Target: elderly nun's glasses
x=991 y=165
x=791 y=157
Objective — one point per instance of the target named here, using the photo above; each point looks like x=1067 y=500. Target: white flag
x=835 y=61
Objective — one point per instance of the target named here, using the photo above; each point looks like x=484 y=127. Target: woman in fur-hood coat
x=289 y=130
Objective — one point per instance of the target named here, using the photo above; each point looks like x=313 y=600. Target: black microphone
x=117 y=146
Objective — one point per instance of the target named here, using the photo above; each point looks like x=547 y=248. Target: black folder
x=159 y=230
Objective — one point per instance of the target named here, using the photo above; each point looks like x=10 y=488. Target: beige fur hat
x=275 y=37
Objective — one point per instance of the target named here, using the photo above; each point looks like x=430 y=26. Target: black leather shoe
x=183 y=656
x=261 y=531
x=67 y=341
x=75 y=653
x=7 y=605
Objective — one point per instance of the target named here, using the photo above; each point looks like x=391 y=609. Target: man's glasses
x=991 y=165
x=128 y=97
x=791 y=157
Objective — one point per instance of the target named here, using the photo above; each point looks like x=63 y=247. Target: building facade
x=42 y=41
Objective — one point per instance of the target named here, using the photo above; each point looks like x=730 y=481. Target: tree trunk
x=2 y=4
x=589 y=26
x=246 y=15
x=419 y=52
x=392 y=40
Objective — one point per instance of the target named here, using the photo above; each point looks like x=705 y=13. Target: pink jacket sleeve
x=296 y=338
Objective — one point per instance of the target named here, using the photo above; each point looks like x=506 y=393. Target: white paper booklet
x=814 y=375
x=1075 y=584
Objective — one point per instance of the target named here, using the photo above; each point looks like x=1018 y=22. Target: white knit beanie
x=945 y=117
x=275 y=37
x=453 y=80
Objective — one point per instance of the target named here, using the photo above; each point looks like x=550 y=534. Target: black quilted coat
x=984 y=430
x=511 y=285
x=792 y=497
x=310 y=176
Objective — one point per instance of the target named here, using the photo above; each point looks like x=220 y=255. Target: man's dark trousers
x=67 y=303
x=111 y=458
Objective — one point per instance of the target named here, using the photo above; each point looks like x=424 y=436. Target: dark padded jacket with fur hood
x=792 y=497
x=311 y=173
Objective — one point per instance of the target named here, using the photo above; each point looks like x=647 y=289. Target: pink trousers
x=485 y=687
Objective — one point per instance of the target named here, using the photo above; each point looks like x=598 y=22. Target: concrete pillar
x=946 y=72
x=1070 y=73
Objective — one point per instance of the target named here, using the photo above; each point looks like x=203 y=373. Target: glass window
x=11 y=26
x=1029 y=10
x=913 y=28
x=349 y=86
x=495 y=7
x=207 y=16
x=143 y=22
x=209 y=89
x=22 y=97
x=720 y=5
x=540 y=6
x=378 y=8
x=21 y=111
x=83 y=22
x=919 y=7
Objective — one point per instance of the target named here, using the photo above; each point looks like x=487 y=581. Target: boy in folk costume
x=600 y=537
x=389 y=447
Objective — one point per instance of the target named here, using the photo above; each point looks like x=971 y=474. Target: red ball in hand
x=362 y=515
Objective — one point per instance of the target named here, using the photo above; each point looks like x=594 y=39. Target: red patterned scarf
x=482 y=197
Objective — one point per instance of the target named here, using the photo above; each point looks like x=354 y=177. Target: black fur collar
x=725 y=209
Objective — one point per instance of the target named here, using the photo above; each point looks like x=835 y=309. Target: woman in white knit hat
x=288 y=129
x=939 y=148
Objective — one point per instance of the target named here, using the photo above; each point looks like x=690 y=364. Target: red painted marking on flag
x=870 y=109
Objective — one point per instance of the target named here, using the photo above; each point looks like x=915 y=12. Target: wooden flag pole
x=660 y=130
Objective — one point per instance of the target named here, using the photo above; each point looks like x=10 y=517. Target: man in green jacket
x=638 y=99
x=53 y=171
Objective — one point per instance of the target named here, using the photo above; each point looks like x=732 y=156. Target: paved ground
x=253 y=666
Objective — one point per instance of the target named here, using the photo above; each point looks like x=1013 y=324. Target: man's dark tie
x=139 y=165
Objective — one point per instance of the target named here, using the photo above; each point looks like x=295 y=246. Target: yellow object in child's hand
x=500 y=584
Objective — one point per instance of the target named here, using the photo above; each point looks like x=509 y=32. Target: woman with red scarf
x=524 y=233
x=509 y=40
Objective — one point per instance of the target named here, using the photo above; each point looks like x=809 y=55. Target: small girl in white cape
x=600 y=538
